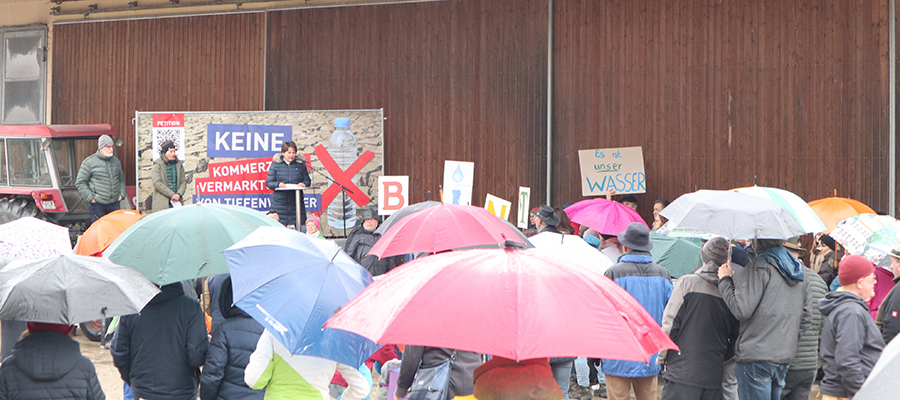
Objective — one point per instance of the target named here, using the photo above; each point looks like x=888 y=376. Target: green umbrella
x=185 y=242
x=680 y=256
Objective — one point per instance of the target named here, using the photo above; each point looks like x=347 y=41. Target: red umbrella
x=604 y=216
x=509 y=303
x=446 y=227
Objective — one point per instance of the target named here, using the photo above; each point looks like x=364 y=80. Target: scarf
x=787 y=264
x=172 y=175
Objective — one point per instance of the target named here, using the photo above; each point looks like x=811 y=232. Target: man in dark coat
x=888 y=319
x=47 y=364
x=461 y=372
x=545 y=219
x=159 y=351
x=700 y=323
x=851 y=343
x=233 y=340
x=360 y=241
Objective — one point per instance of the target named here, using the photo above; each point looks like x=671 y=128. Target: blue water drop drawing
x=458 y=174
x=456 y=195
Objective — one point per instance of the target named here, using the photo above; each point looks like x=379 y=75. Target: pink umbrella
x=446 y=227
x=509 y=303
x=604 y=216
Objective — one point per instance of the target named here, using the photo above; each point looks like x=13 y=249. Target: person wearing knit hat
x=504 y=379
x=167 y=176
x=848 y=361
x=828 y=259
x=312 y=227
x=101 y=181
x=47 y=364
x=888 y=317
x=700 y=323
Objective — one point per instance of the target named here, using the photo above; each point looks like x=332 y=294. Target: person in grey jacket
x=802 y=372
x=772 y=307
x=233 y=340
x=851 y=343
x=101 y=180
x=464 y=364
x=47 y=364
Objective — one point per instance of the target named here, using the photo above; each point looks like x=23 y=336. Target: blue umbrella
x=291 y=284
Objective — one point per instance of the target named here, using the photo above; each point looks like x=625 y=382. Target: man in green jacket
x=101 y=180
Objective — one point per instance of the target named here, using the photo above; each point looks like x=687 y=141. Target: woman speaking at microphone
x=287 y=170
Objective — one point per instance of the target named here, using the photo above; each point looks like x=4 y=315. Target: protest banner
x=393 y=194
x=620 y=168
x=227 y=156
x=497 y=206
x=524 y=207
x=458 y=181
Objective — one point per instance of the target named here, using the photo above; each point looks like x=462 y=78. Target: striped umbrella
x=833 y=210
x=801 y=211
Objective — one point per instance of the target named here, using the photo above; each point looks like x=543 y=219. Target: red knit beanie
x=853 y=268
x=43 y=327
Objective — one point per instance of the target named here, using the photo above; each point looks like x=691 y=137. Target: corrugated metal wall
x=458 y=80
x=717 y=92
x=105 y=71
x=792 y=92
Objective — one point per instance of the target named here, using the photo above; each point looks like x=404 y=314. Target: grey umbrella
x=68 y=289
x=399 y=214
x=732 y=215
x=882 y=382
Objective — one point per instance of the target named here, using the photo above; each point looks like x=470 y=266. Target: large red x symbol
x=343 y=177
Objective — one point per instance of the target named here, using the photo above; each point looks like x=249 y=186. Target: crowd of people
x=753 y=321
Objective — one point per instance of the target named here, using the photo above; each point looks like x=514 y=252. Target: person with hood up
x=47 y=364
x=649 y=284
x=167 y=175
x=361 y=239
x=287 y=169
x=159 y=352
x=700 y=323
x=289 y=376
x=773 y=308
x=101 y=181
x=851 y=343
x=233 y=340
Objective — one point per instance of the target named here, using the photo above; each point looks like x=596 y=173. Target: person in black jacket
x=360 y=241
x=285 y=170
x=47 y=364
x=461 y=371
x=159 y=351
x=887 y=319
x=233 y=340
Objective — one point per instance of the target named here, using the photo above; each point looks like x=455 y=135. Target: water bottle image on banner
x=342 y=147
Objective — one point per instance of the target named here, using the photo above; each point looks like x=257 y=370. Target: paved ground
x=106 y=371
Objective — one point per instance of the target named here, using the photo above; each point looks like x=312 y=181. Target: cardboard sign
x=497 y=206
x=458 y=181
x=393 y=194
x=524 y=207
x=621 y=169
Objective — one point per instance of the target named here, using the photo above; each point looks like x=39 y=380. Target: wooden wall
x=458 y=80
x=794 y=93
x=105 y=71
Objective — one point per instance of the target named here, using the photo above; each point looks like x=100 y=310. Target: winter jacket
x=460 y=372
x=651 y=286
x=101 y=179
x=284 y=202
x=883 y=285
x=162 y=194
x=358 y=244
x=700 y=323
x=48 y=365
x=771 y=308
x=888 y=318
x=828 y=270
x=288 y=376
x=159 y=351
x=851 y=344
x=807 y=356
x=233 y=340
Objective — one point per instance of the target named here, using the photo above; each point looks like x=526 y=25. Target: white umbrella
x=29 y=237
x=570 y=248
x=801 y=211
x=732 y=215
x=69 y=289
x=882 y=382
